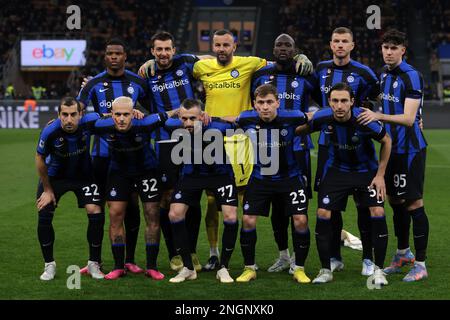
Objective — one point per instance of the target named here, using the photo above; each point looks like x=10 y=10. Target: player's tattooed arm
x=48 y=195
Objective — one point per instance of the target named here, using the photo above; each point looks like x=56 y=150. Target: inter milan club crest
x=294 y=84
x=350 y=79
x=130 y=90
x=113 y=192
x=284 y=132
x=326 y=200
x=234 y=73
x=138 y=139
x=178 y=195
x=246 y=206
x=395 y=84
x=179 y=73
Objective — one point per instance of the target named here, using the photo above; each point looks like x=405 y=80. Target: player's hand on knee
x=379 y=185
x=303 y=65
x=46 y=198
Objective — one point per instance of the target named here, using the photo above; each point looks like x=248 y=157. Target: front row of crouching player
x=352 y=168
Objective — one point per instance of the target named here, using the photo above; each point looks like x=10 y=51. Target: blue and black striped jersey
x=196 y=164
x=104 y=88
x=67 y=154
x=132 y=153
x=350 y=147
x=171 y=86
x=274 y=143
x=396 y=85
x=358 y=76
x=293 y=93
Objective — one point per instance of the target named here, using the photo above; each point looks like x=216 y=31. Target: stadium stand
x=311 y=22
x=132 y=20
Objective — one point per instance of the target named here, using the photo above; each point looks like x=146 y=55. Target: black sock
x=46 y=235
x=96 y=224
x=166 y=229
x=280 y=223
x=132 y=222
x=118 y=251
x=323 y=236
x=230 y=230
x=402 y=223
x=420 y=232
x=248 y=244
x=181 y=241
x=193 y=220
x=336 y=227
x=301 y=240
x=379 y=239
x=365 y=228
x=152 y=250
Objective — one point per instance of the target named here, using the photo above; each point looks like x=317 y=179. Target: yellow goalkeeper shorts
x=240 y=152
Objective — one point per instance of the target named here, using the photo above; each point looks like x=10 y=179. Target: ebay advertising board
x=43 y=53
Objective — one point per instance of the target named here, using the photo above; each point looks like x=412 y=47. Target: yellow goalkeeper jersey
x=227 y=87
x=228 y=94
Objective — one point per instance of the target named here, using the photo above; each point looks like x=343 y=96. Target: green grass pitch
x=21 y=262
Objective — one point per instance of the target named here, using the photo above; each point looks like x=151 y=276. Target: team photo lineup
x=236 y=166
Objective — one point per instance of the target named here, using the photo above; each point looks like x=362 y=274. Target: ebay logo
x=49 y=53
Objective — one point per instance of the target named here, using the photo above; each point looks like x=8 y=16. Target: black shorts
x=336 y=186
x=322 y=157
x=86 y=191
x=168 y=171
x=189 y=190
x=119 y=187
x=405 y=175
x=304 y=161
x=261 y=192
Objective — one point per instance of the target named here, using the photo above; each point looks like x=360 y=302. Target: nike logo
x=415 y=237
x=242 y=180
x=59 y=145
x=228 y=201
x=382 y=235
x=152 y=196
x=103 y=89
x=323 y=77
x=301 y=209
x=400 y=193
x=328 y=132
x=265 y=82
x=227 y=249
x=95 y=199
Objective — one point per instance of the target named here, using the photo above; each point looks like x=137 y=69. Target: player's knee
x=249 y=222
x=300 y=222
x=175 y=216
x=414 y=204
x=376 y=211
x=323 y=213
x=93 y=209
x=230 y=214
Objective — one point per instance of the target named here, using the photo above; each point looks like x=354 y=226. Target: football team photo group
x=220 y=172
